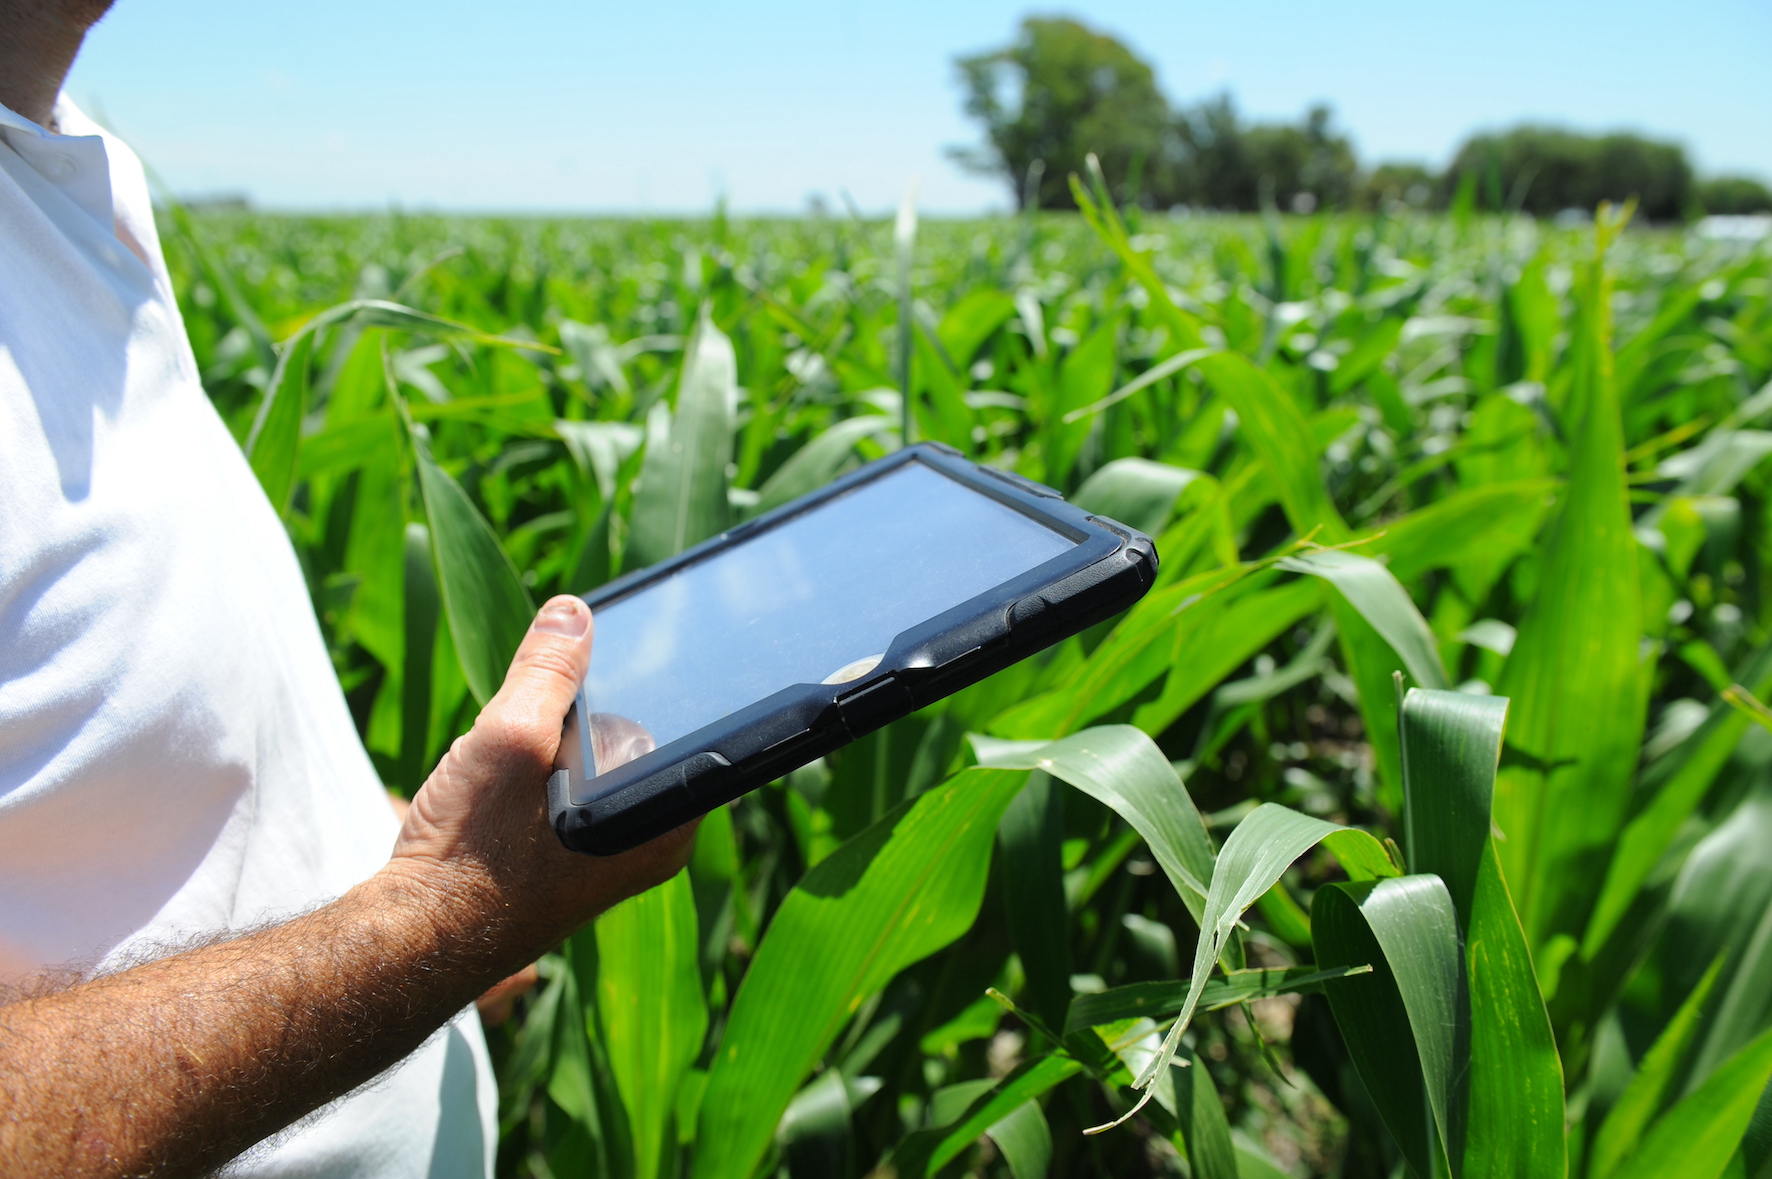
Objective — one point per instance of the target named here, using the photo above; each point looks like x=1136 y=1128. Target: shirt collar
x=11 y=118
x=77 y=164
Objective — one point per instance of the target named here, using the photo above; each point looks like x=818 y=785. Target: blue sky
x=659 y=106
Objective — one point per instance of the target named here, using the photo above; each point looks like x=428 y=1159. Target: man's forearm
x=180 y=1064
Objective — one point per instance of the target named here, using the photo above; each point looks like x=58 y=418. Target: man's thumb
x=549 y=666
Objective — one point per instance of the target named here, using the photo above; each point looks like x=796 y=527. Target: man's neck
x=38 y=41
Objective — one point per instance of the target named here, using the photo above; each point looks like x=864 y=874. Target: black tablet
x=792 y=634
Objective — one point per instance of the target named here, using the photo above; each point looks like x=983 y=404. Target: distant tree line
x=1062 y=90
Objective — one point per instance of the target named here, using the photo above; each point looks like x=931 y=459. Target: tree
x=1058 y=93
x=1216 y=172
x=1305 y=167
x=1410 y=183
x=1734 y=194
x=1544 y=170
x=1221 y=164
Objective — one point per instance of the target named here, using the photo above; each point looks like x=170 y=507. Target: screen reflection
x=808 y=601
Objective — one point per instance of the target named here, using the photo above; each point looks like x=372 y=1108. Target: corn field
x=1417 y=822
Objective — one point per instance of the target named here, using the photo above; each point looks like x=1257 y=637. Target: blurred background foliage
x=1062 y=89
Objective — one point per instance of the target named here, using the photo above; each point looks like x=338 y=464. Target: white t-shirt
x=176 y=757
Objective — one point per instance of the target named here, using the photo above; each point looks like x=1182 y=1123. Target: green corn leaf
x=950 y=1102
x=599 y=449
x=1696 y=1138
x=814 y=1132
x=1185 y=1094
x=1381 y=633
x=1636 y=355
x=420 y=618
x=1622 y=1131
x=1136 y=652
x=653 y=1015
x=1407 y=930
x=1574 y=676
x=569 y=1081
x=1746 y=990
x=902 y=889
x=274 y=444
x=1258 y=852
x=1156 y=1000
x=924 y=1153
x=1374 y=348
x=1499 y=520
x=1713 y=468
x=1267 y=417
x=360 y=383
x=1144 y=380
x=381 y=313
x=239 y=310
x=973 y=318
x=1084 y=377
x=1719 y=904
x=1203 y=537
x=818 y=462
x=1238 y=701
x=1030 y=839
x=1025 y=1141
x=1416 y=925
x=527 y=1065
x=1262 y=686
x=1204 y=654
x=1382 y=601
x=577 y=1082
x=1451 y=743
x=484 y=601
x=1756 y=1143
x=1372 y=664
x=374 y=555
x=1101 y=216
x=946 y=414
x=596 y=560
x=1123 y=768
x=1676 y=784
x=1137 y=492
x=598 y=358
x=1251 y=1165
x=682 y=498
x=1276 y=430
x=695 y=1082
x=348 y=446
x=1515 y=1125
x=1329 y=424
x=1204 y=1129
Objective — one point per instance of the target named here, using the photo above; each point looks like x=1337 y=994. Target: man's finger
x=552 y=659
x=549 y=666
x=555 y=654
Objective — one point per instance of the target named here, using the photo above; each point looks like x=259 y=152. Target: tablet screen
x=815 y=599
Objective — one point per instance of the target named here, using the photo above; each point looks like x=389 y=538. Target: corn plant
x=1434 y=740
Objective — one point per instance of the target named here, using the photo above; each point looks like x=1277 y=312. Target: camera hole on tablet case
x=854 y=671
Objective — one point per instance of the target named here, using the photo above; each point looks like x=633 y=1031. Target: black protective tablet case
x=1108 y=570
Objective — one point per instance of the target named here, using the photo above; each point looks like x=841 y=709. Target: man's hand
x=496 y=1004
x=177 y=1065
x=478 y=831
